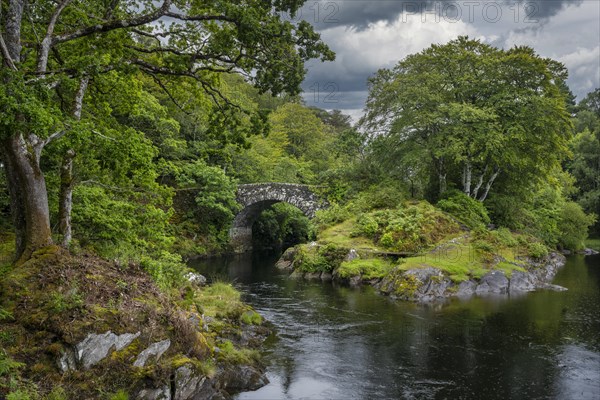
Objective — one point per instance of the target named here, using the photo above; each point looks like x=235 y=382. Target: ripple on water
x=339 y=343
x=579 y=376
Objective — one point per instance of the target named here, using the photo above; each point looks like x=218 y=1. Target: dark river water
x=335 y=342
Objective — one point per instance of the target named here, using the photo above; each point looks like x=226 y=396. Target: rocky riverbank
x=427 y=282
x=82 y=328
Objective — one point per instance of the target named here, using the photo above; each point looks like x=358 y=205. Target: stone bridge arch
x=257 y=197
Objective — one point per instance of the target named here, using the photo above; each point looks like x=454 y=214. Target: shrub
x=413 y=227
x=371 y=268
x=230 y=354
x=537 y=250
x=332 y=215
x=116 y=225
x=573 y=226
x=281 y=225
x=483 y=246
x=57 y=393
x=251 y=317
x=504 y=237
x=333 y=255
x=309 y=259
x=221 y=300
x=167 y=269
x=377 y=197
x=366 y=226
x=20 y=394
x=7 y=365
x=469 y=211
x=120 y=395
x=387 y=240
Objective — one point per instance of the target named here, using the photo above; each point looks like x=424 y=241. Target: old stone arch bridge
x=256 y=197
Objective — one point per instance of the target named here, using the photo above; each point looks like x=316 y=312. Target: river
x=336 y=342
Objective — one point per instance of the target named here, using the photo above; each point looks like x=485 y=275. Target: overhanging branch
x=117 y=24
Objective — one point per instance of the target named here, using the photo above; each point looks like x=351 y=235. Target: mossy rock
x=55 y=300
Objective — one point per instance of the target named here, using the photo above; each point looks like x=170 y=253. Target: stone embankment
x=429 y=284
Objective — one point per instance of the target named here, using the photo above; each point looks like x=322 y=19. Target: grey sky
x=368 y=35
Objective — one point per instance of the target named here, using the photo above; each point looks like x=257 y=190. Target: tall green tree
x=53 y=52
x=473 y=113
x=296 y=149
x=585 y=146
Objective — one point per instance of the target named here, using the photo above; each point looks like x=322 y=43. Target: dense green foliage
x=319 y=258
x=473 y=116
x=155 y=177
x=135 y=93
x=573 y=224
x=281 y=226
x=409 y=228
x=443 y=119
x=468 y=210
x=585 y=163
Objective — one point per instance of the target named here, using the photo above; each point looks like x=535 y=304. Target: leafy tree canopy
x=474 y=114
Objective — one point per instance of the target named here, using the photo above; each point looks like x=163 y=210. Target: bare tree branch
x=218 y=98
x=104 y=136
x=117 y=24
x=42 y=62
x=168 y=92
x=55 y=136
x=183 y=17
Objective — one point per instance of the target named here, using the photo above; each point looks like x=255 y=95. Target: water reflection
x=340 y=343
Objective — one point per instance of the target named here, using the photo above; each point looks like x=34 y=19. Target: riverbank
x=82 y=327
x=424 y=278
x=420 y=253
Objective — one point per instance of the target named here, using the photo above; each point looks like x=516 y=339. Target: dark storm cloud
x=568 y=37
x=359 y=14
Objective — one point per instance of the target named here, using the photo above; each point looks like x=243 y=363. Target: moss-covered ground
x=411 y=236
x=341 y=235
x=55 y=300
x=464 y=258
x=371 y=268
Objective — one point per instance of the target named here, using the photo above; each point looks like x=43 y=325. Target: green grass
x=459 y=262
x=229 y=353
x=593 y=243
x=370 y=268
x=251 y=317
x=340 y=235
x=221 y=299
x=462 y=262
x=508 y=268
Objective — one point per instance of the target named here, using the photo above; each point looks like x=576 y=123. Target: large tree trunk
x=29 y=199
